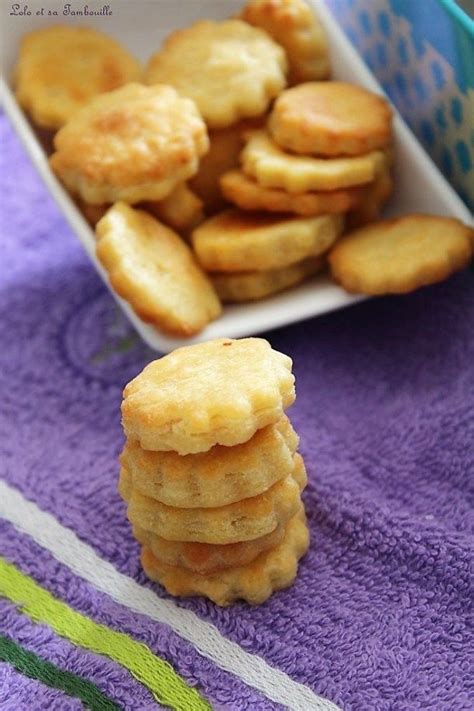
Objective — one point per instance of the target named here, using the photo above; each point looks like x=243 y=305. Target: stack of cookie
x=249 y=255
x=325 y=150
x=211 y=473
x=321 y=162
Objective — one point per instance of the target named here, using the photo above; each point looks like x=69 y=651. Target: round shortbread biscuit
x=241 y=521
x=225 y=145
x=230 y=69
x=217 y=477
x=61 y=68
x=207 y=558
x=235 y=241
x=181 y=210
x=247 y=194
x=330 y=119
x=293 y=25
x=250 y=286
x=218 y=392
x=399 y=255
x=255 y=582
x=151 y=267
x=272 y=167
x=376 y=196
x=133 y=144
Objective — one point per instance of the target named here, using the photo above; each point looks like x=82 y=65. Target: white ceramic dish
x=141 y=25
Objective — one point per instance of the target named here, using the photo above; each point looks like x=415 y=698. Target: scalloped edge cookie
x=230 y=69
x=151 y=267
x=248 y=194
x=236 y=241
x=60 y=68
x=272 y=167
x=207 y=558
x=218 y=392
x=330 y=119
x=241 y=521
x=255 y=582
x=182 y=209
x=377 y=195
x=402 y=254
x=240 y=287
x=296 y=27
x=225 y=145
x=217 y=477
x=135 y=144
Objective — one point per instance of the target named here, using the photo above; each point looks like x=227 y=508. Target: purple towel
x=379 y=617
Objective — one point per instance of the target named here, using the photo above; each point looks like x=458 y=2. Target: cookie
x=225 y=145
x=230 y=69
x=376 y=196
x=133 y=144
x=241 y=521
x=206 y=558
x=294 y=26
x=217 y=477
x=61 y=68
x=218 y=392
x=247 y=194
x=255 y=582
x=92 y=213
x=151 y=267
x=251 y=286
x=399 y=255
x=181 y=210
x=330 y=119
x=263 y=160
x=235 y=241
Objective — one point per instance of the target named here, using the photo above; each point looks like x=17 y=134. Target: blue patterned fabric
x=422 y=52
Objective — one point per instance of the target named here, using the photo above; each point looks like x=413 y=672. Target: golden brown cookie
x=235 y=241
x=294 y=26
x=330 y=119
x=133 y=144
x=224 y=150
x=240 y=521
x=272 y=167
x=151 y=267
x=207 y=558
x=181 y=210
x=255 y=582
x=230 y=69
x=61 y=68
x=250 y=286
x=247 y=194
x=217 y=477
x=218 y=392
x=376 y=196
x=397 y=256
x=92 y=213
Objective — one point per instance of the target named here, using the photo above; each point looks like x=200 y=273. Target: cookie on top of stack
x=211 y=473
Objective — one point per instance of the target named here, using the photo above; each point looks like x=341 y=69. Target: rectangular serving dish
x=141 y=26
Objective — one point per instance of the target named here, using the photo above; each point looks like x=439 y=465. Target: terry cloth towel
x=379 y=616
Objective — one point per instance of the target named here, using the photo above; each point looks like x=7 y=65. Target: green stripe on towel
x=156 y=674
x=33 y=666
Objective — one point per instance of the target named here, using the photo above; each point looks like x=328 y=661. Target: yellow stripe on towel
x=156 y=674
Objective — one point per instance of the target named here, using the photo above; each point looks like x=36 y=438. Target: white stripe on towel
x=82 y=560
